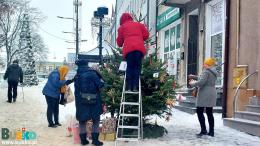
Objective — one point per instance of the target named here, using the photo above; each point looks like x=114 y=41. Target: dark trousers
x=133 y=70
x=95 y=126
x=52 y=109
x=209 y=112
x=12 y=90
x=62 y=98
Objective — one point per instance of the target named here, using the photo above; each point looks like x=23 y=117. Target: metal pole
x=100 y=41
x=226 y=61
x=77 y=28
x=23 y=93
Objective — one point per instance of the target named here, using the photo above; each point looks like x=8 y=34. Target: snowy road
x=182 y=127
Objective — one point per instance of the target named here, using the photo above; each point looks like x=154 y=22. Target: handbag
x=194 y=92
x=88 y=98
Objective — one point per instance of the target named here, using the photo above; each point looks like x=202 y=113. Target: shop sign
x=167 y=17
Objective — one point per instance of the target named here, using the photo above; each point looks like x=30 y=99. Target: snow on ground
x=31 y=113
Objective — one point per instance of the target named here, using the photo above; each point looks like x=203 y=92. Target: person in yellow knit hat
x=52 y=90
x=210 y=62
x=63 y=70
x=206 y=96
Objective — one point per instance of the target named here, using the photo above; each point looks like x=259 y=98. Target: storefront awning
x=175 y=3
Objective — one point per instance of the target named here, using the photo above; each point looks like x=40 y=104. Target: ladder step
x=129 y=136
x=127 y=139
x=129 y=115
x=130 y=103
x=128 y=127
x=131 y=92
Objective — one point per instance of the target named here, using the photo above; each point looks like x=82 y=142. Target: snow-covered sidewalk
x=182 y=128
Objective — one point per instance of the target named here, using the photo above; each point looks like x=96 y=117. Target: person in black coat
x=88 y=100
x=13 y=74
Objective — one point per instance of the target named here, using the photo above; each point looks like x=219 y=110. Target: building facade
x=244 y=50
x=202 y=34
x=43 y=69
x=169 y=38
x=143 y=11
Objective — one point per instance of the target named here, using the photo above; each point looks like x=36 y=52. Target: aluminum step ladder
x=122 y=134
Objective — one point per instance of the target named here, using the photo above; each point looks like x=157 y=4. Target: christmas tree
x=157 y=91
x=26 y=56
x=114 y=80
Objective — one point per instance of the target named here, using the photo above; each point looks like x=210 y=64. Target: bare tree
x=3 y=9
x=10 y=24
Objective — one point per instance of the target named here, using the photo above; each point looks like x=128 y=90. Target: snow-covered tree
x=27 y=57
x=11 y=15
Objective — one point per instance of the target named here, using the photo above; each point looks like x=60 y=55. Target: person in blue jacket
x=88 y=82
x=52 y=93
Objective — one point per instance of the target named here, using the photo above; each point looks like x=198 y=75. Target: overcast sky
x=51 y=29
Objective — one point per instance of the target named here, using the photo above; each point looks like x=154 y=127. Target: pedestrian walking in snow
x=52 y=92
x=88 y=101
x=13 y=74
x=131 y=35
x=206 y=96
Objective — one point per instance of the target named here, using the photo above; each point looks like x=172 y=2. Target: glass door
x=215 y=34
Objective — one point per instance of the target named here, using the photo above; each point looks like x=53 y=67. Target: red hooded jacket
x=132 y=35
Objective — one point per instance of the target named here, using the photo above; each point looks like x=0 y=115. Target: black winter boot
x=203 y=132
x=211 y=132
x=83 y=139
x=95 y=140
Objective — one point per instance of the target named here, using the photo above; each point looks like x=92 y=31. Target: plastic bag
x=68 y=96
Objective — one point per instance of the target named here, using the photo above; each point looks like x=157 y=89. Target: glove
x=69 y=82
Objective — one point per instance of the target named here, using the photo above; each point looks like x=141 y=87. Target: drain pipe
x=156 y=32
x=238 y=32
x=226 y=61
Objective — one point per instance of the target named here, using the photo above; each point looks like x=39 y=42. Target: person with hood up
x=13 y=74
x=206 y=96
x=131 y=35
x=52 y=91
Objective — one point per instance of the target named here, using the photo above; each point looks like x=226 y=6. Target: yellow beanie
x=210 y=61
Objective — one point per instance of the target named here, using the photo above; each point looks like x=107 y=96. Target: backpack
x=87 y=87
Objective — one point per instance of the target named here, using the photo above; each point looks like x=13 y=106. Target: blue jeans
x=133 y=70
x=52 y=109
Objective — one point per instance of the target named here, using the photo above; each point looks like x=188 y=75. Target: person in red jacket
x=131 y=35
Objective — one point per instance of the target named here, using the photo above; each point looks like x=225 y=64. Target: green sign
x=168 y=17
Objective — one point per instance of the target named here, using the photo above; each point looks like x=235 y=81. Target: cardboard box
x=110 y=137
x=107 y=137
x=101 y=136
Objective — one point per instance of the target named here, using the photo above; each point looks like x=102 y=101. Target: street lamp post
x=99 y=14
x=77 y=25
x=100 y=42
x=77 y=28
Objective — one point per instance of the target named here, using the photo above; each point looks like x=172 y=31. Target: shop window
x=172 y=50
x=215 y=29
x=50 y=68
x=166 y=41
